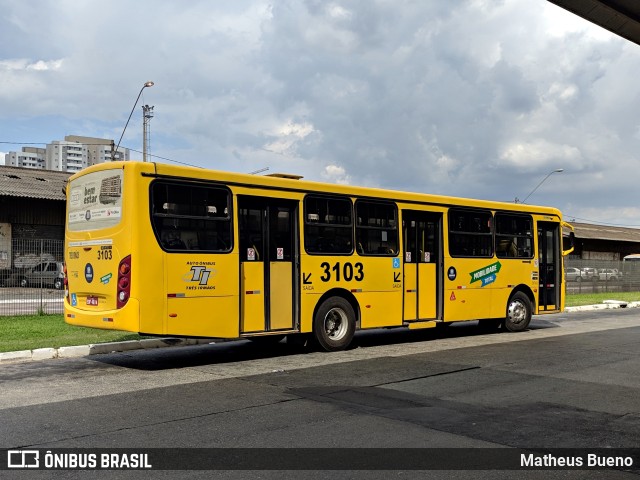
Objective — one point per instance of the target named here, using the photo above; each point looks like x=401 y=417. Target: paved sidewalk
x=99 y=348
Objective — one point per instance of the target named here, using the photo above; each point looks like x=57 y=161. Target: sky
x=471 y=98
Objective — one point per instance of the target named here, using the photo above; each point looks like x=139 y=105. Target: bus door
x=268 y=264
x=550 y=266
x=422 y=234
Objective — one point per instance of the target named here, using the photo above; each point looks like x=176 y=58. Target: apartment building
x=69 y=155
x=29 y=157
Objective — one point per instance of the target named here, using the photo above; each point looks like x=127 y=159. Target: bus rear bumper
x=126 y=319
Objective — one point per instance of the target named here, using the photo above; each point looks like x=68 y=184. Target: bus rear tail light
x=124 y=281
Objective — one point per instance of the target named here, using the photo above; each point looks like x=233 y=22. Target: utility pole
x=147 y=115
x=146 y=85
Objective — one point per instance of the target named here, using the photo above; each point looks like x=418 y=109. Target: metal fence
x=31 y=277
x=595 y=276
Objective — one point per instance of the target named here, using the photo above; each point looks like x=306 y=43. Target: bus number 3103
x=346 y=271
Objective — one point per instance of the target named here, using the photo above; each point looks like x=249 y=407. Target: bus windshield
x=95 y=201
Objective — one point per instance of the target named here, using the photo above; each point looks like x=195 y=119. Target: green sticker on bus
x=487 y=274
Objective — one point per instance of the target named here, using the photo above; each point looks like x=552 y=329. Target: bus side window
x=514 y=235
x=171 y=240
x=190 y=239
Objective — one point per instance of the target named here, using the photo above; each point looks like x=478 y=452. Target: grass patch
x=578 y=299
x=28 y=332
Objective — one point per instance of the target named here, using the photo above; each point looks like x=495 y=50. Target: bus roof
x=295 y=183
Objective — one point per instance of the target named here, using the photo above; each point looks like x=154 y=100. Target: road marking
x=31 y=384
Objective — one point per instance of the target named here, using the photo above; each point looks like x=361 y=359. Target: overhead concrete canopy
x=621 y=17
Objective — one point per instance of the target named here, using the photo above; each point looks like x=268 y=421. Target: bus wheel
x=518 y=312
x=334 y=324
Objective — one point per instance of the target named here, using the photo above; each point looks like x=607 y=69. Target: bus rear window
x=95 y=201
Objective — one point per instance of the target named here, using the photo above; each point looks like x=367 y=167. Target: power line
x=102 y=145
x=60 y=141
x=164 y=158
x=596 y=222
x=593 y=222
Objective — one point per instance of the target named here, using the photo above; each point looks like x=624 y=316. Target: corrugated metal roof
x=603 y=232
x=621 y=17
x=32 y=183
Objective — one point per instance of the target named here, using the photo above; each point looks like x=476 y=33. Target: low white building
x=69 y=155
x=29 y=157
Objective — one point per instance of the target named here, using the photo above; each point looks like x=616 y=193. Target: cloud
x=336 y=174
x=25 y=64
x=540 y=154
x=467 y=97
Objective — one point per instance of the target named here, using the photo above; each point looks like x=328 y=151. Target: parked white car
x=589 y=273
x=609 y=274
x=573 y=274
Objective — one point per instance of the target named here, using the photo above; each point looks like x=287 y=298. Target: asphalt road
x=571 y=381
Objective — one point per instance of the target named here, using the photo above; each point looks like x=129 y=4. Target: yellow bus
x=179 y=251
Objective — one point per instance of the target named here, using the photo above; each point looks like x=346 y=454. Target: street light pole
x=557 y=170
x=147 y=84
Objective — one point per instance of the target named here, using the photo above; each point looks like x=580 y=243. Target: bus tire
x=334 y=324
x=518 y=313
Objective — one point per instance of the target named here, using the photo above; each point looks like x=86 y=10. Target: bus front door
x=422 y=260
x=549 y=262
x=268 y=264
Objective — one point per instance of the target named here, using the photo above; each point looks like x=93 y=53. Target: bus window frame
x=512 y=235
x=396 y=227
x=450 y=231
x=306 y=223
x=229 y=217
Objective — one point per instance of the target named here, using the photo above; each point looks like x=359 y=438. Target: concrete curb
x=606 y=305
x=97 y=349
x=114 y=347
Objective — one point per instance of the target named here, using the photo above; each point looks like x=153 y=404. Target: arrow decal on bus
x=487 y=274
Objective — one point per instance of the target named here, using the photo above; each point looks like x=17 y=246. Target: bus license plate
x=93 y=301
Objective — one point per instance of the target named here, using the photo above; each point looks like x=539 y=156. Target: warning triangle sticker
x=453 y=296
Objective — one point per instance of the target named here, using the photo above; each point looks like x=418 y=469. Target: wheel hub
x=335 y=323
x=517 y=312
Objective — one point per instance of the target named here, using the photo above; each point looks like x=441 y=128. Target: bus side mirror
x=568 y=241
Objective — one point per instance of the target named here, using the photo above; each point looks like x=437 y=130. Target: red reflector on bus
x=107 y=319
